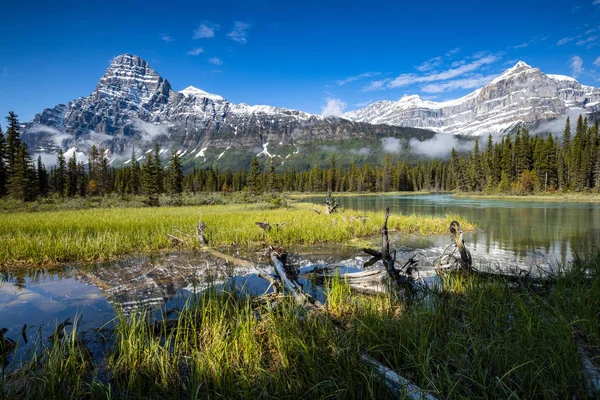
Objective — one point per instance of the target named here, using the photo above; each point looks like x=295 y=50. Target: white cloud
x=167 y=38
x=439 y=146
x=452 y=52
x=391 y=145
x=239 y=32
x=430 y=64
x=597 y=62
x=409 y=79
x=466 y=83
x=596 y=2
x=363 y=151
x=350 y=79
x=333 y=107
x=79 y=156
x=521 y=46
x=376 y=85
x=576 y=65
x=98 y=137
x=148 y=130
x=215 y=61
x=587 y=40
x=195 y=51
x=564 y=41
x=56 y=136
x=205 y=31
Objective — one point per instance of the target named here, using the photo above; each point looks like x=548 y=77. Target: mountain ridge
x=493 y=108
x=133 y=106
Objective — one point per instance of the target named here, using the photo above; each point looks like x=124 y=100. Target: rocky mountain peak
x=131 y=77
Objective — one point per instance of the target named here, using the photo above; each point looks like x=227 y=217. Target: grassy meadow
x=473 y=337
x=51 y=237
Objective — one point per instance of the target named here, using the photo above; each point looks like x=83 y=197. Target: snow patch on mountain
x=192 y=91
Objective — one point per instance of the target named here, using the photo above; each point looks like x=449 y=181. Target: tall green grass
x=472 y=338
x=94 y=234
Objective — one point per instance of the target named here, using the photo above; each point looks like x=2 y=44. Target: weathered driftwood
x=592 y=373
x=399 y=387
x=175 y=240
x=366 y=281
x=60 y=330
x=288 y=276
x=372 y=252
x=330 y=204
x=24 y=333
x=455 y=255
x=465 y=254
x=264 y=225
x=399 y=280
x=200 y=233
x=6 y=344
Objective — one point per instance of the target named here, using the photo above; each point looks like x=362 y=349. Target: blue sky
x=304 y=55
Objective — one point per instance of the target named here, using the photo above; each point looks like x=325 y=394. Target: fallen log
x=398 y=386
x=372 y=252
x=289 y=277
x=175 y=240
x=264 y=225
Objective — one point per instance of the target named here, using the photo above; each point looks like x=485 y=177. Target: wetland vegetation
x=466 y=337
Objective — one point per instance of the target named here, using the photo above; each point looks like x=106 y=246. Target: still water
x=511 y=234
x=509 y=231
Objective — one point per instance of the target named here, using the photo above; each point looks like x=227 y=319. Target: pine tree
x=150 y=181
x=3 y=170
x=42 y=178
x=21 y=185
x=175 y=175
x=13 y=142
x=566 y=155
x=61 y=174
x=135 y=175
x=272 y=178
x=72 y=184
x=158 y=170
x=254 y=177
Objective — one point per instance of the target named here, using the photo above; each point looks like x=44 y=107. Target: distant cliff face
x=522 y=94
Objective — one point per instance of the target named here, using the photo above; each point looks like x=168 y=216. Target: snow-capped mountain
x=133 y=106
x=522 y=94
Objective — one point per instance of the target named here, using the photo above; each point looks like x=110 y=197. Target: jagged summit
x=521 y=65
x=131 y=77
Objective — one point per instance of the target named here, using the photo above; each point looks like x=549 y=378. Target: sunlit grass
x=44 y=238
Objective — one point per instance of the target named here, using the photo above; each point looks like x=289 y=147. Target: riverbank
x=30 y=239
x=555 y=197
x=472 y=337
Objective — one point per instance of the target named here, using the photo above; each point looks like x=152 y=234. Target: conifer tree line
x=518 y=164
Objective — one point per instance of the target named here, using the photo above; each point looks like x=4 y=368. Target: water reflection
x=529 y=230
